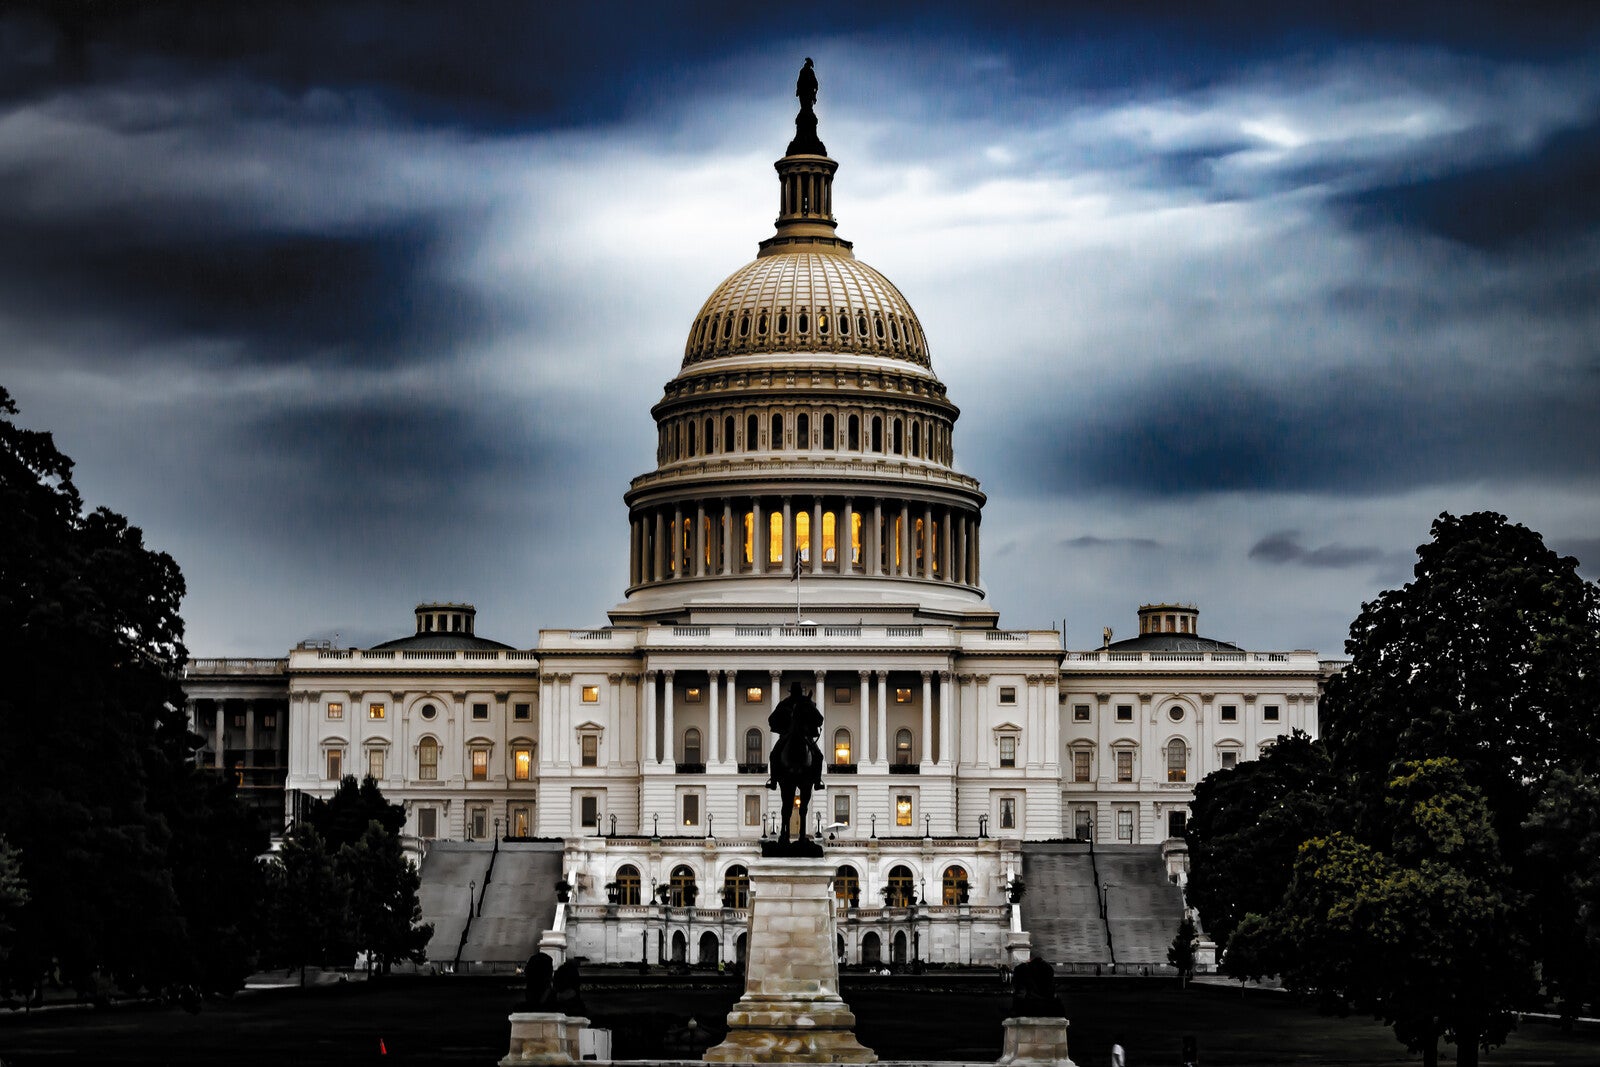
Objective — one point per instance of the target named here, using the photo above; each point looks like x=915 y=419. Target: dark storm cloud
x=1090 y=541
x=1285 y=546
x=1547 y=194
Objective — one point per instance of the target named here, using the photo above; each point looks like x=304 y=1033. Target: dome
x=809 y=302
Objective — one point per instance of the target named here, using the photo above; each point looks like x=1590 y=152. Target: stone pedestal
x=1035 y=1041
x=543 y=1037
x=791 y=1011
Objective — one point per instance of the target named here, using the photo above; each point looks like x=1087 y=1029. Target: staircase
x=1143 y=907
x=487 y=905
x=1061 y=908
x=1068 y=884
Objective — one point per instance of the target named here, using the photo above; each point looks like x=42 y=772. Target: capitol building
x=806 y=521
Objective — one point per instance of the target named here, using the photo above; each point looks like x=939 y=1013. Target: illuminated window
x=902 y=887
x=591 y=694
x=480 y=764
x=691 y=809
x=1124 y=712
x=375 y=763
x=1080 y=713
x=1124 y=765
x=628 y=884
x=902 y=696
x=847 y=887
x=855 y=538
x=752 y=810
x=829 y=537
x=428 y=759
x=1008 y=751
x=736 y=887
x=335 y=764
x=521 y=824
x=480 y=711
x=522 y=763
x=589 y=810
x=335 y=710
x=1008 y=694
x=376 y=711
x=1230 y=713
x=522 y=712
x=841 y=694
x=1008 y=813
x=954 y=885
x=590 y=744
x=802 y=536
x=427 y=823
x=841 y=809
x=902 y=810
x=693 y=694
x=775 y=537
x=902 y=747
x=1177 y=761
x=753 y=694
x=841 y=747
x=1081 y=764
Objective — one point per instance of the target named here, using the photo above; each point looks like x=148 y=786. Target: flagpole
x=797 y=587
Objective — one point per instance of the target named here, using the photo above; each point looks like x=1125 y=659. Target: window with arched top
x=842 y=751
x=802 y=430
x=628 y=884
x=902 y=887
x=847 y=887
x=752 y=432
x=853 y=434
x=727 y=434
x=691 y=440
x=428 y=760
x=682 y=889
x=775 y=440
x=1177 y=761
x=877 y=433
x=902 y=746
x=691 y=746
x=827 y=431
x=916 y=440
x=736 y=887
x=955 y=885
x=753 y=752
x=783 y=321
x=898 y=439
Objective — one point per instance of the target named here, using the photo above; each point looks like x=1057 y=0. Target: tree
x=1181 y=952
x=385 y=912
x=13 y=895
x=342 y=819
x=1246 y=826
x=95 y=777
x=310 y=903
x=1564 y=865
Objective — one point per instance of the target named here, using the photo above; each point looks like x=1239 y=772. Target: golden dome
x=806 y=301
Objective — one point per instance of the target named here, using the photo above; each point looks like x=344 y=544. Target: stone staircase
x=512 y=892
x=1067 y=885
x=1061 y=908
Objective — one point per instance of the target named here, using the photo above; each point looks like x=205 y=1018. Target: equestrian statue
x=796 y=761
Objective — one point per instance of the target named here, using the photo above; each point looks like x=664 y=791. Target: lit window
x=841 y=694
x=752 y=810
x=1008 y=751
x=521 y=821
x=841 y=747
x=847 y=887
x=1008 y=813
x=269 y=721
x=589 y=810
x=428 y=823
x=1177 y=762
x=1081 y=764
x=1269 y=712
x=902 y=696
x=902 y=747
x=480 y=764
x=736 y=887
x=375 y=763
x=1230 y=713
x=1008 y=694
x=752 y=694
x=376 y=711
x=1125 y=765
x=335 y=768
x=1080 y=713
x=591 y=750
x=522 y=763
x=480 y=711
x=691 y=695
x=238 y=719
x=591 y=694
x=428 y=759
x=522 y=712
x=691 y=809
x=902 y=811
x=841 y=809
x=335 y=710
x=1124 y=712
x=954 y=886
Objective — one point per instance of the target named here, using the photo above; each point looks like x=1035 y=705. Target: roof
x=1173 y=643
x=439 y=642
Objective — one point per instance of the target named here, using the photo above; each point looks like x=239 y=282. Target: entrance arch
x=739 y=945
x=871 y=950
x=898 y=952
x=680 y=947
x=708 y=950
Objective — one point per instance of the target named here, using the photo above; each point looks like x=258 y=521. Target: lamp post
x=710 y=832
x=497 y=827
x=874 y=824
x=655 y=824
x=613 y=826
x=472 y=894
x=983 y=826
x=927 y=826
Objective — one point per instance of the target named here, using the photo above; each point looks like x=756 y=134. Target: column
x=732 y=713
x=669 y=750
x=927 y=716
x=816 y=537
x=844 y=537
x=713 y=719
x=1052 y=722
x=928 y=541
x=546 y=730
x=945 y=561
x=677 y=542
x=728 y=565
x=564 y=720
x=220 y=726
x=658 y=553
x=788 y=536
x=700 y=549
x=250 y=733
x=820 y=695
x=883 y=717
x=863 y=747
x=758 y=539
x=875 y=561
x=977 y=572
x=776 y=688
x=945 y=714
x=649 y=719
x=903 y=542
x=961 y=548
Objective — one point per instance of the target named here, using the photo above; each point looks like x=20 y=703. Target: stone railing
x=379 y=658
x=1250 y=660
x=234 y=666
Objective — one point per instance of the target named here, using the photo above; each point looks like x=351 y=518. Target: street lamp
x=874 y=824
x=983 y=826
x=655 y=823
x=927 y=826
x=709 y=824
x=472 y=894
x=497 y=827
x=613 y=826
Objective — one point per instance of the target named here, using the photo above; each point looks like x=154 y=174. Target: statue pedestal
x=1035 y=1041
x=791 y=1011
x=543 y=1037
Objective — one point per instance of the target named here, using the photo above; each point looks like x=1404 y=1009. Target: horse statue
x=796 y=760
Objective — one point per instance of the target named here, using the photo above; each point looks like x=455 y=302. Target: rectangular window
x=522 y=763
x=1008 y=751
x=1082 y=824
x=1080 y=765
x=1125 y=825
x=1124 y=712
x=335 y=710
x=752 y=810
x=693 y=694
x=428 y=823
x=1269 y=712
x=1175 y=820
x=841 y=694
x=902 y=810
x=1230 y=713
x=691 y=809
x=522 y=712
x=335 y=764
x=521 y=821
x=1008 y=813
x=589 y=811
x=1080 y=713
x=591 y=750
x=238 y=719
x=1177 y=762
x=1230 y=760
x=375 y=763
x=480 y=765
x=428 y=760
x=269 y=721
x=376 y=711
x=478 y=824
x=1124 y=765
x=752 y=694
x=902 y=696
x=591 y=694
x=841 y=809
x=1008 y=694
x=480 y=711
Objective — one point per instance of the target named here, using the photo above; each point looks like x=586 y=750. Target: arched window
x=802 y=534
x=871 y=949
x=803 y=321
x=744 y=324
x=682 y=890
x=736 y=887
x=753 y=752
x=783 y=320
x=776 y=440
x=691 y=440
x=802 y=430
x=899 y=438
x=727 y=434
x=827 y=431
x=902 y=746
x=853 y=438
x=841 y=747
x=708 y=442
x=877 y=433
x=916 y=439
x=1177 y=761
x=752 y=432
x=428 y=760
x=691 y=745
x=775 y=537
x=847 y=887
x=830 y=537
x=627 y=884
x=901 y=891
x=955 y=885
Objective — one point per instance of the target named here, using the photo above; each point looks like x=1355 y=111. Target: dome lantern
x=805 y=184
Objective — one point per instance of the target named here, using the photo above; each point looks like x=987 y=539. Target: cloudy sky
x=354 y=306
